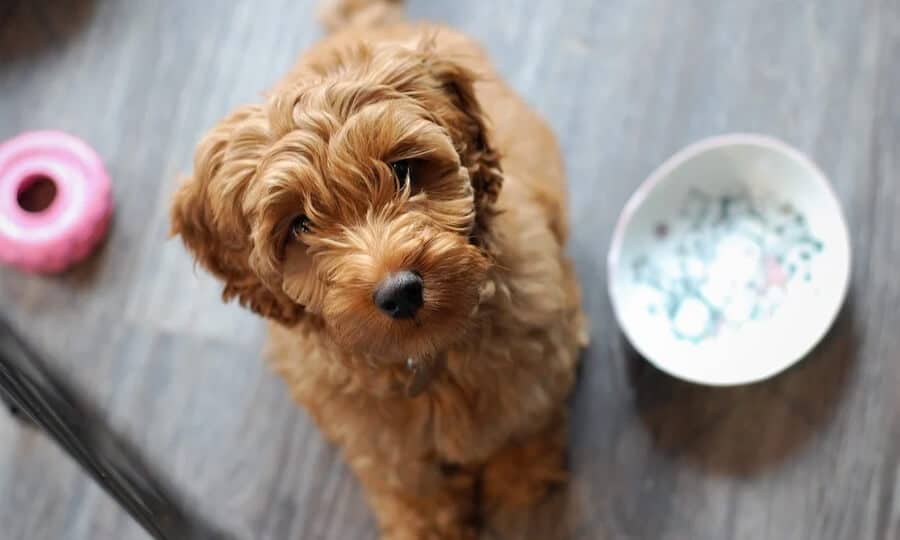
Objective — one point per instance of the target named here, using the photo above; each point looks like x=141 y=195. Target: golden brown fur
x=485 y=226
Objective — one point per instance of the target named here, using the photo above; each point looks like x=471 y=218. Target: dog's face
x=359 y=195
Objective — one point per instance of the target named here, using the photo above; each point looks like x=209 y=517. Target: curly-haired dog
x=399 y=213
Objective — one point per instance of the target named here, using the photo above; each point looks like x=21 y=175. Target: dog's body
x=465 y=402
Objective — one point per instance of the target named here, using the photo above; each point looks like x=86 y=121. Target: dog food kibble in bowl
x=730 y=262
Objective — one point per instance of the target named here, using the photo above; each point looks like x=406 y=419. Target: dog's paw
x=523 y=475
x=454 y=532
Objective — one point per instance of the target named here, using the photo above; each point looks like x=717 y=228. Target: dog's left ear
x=470 y=129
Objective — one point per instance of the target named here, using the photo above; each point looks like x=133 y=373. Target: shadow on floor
x=85 y=273
x=742 y=431
x=28 y=27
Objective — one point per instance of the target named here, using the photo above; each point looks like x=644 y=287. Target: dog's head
x=361 y=195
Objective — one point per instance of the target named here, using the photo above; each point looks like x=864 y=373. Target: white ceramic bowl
x=730 y=262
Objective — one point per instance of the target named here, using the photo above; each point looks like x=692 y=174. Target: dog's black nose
x=400 y=294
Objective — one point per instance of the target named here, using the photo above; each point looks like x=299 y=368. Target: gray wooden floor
x=812 y=454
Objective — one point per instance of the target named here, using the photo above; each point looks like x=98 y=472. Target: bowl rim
x=659 y=174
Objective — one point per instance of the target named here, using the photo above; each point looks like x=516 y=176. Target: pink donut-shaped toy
x=55 y=201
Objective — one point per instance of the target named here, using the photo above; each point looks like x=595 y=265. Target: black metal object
x=29 y=389
x=13 y=408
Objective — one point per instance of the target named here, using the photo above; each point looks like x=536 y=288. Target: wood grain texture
x=812 y=454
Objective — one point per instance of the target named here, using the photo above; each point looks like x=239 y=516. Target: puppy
x=399 y=214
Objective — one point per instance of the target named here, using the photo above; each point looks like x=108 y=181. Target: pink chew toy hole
x=36 y=193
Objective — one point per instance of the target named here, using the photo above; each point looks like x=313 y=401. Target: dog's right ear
x=208 y=212
x=469 y=125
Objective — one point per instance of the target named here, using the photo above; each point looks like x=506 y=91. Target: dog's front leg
x=418 y=499
x=523 y=473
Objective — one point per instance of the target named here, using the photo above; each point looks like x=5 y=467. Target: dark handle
x=31 y=391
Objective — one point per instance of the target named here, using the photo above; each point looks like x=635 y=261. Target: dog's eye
x=402 y=173
x=300 y=225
